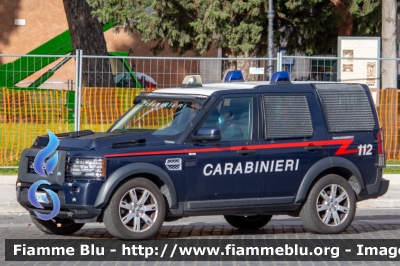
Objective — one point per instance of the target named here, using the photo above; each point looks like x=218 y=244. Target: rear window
x=346 y=107
x=287 y=117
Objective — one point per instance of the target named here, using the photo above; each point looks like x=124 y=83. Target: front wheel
x=248 y=222
x=136 y=210
x=330 y=206
x=57 y=226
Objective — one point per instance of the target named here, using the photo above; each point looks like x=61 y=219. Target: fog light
x=75 y=190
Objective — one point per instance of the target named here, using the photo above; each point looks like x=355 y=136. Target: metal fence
x=66 y=93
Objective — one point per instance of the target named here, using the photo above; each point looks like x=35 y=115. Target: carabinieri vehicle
x=243 y=150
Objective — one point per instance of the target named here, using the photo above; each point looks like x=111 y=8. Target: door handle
x=313 y=148
x=245 y=152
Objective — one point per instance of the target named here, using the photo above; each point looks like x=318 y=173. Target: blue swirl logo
x=33 y=199
x=51 y=163
x=44 y=153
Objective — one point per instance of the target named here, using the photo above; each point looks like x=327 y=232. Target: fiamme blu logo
x=38 y=165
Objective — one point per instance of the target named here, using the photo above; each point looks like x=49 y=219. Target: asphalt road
x=368 y=224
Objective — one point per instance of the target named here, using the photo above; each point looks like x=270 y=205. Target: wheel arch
x=145 y=170
x=330 y=165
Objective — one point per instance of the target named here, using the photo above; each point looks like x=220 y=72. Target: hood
x=89 y=140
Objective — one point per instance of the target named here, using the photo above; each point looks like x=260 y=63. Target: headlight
x=85 y=168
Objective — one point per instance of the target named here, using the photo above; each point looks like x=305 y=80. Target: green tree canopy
x=312 y=26
x=190 y=25
x=240 y=26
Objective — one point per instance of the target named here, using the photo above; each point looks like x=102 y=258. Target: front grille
x=28 y=174
x=30 y=169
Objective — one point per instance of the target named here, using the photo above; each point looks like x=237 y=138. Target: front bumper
x=76 y=207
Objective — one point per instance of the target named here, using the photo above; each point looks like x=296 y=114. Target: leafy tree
x=190 y=24
x=86 y=34
x=312 y=26
x=307 y=26
x=367 y=17
x=239 y=27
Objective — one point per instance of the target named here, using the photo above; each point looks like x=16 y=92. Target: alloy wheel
x=138 y=209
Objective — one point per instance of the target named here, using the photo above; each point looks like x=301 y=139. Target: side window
x=287 y=117
x=346 y=107
x=234 y=117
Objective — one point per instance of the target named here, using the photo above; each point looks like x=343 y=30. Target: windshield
x=164 y=118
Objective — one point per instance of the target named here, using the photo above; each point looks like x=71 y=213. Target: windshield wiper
x=76 y=134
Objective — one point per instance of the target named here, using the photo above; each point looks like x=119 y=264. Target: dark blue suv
x=243 y=150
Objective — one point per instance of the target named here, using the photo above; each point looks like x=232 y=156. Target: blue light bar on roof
x=281 y=77
x=234 y=76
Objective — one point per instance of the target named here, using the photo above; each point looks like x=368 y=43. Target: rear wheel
x=330 y=206
x=136 y=210
x=248 y=222
x=57 y=226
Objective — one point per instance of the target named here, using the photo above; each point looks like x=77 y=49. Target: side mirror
x=207 y=134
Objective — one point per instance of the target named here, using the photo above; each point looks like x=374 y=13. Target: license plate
x=42 y=197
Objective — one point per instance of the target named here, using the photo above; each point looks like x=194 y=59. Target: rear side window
x=287 y=117
x=346 y=107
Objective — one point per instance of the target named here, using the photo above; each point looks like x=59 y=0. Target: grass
x=8 y=171
x=392 y=169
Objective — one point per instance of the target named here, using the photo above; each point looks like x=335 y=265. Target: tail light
x=381 y=151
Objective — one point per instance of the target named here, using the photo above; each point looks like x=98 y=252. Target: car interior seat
x=241 y=110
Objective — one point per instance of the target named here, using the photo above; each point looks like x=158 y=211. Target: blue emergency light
x=280 y=77
x=234 y=76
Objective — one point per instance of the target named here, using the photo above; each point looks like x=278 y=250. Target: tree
x=307 y=26
x=8 y=11
x=238 y=27
x=389 y=18
x=86 y=34
x=313 y=26
x=187 y=24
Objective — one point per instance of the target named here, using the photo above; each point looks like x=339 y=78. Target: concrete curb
x=379 y=204
x=8 y=179
x=393 y=178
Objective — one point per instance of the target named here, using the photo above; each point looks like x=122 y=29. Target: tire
x=131 y=220
x=67 y=227
x=248 y=222
x=326 y=215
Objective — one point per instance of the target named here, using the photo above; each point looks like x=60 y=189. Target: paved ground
x=368 y=224
x=375 y=219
